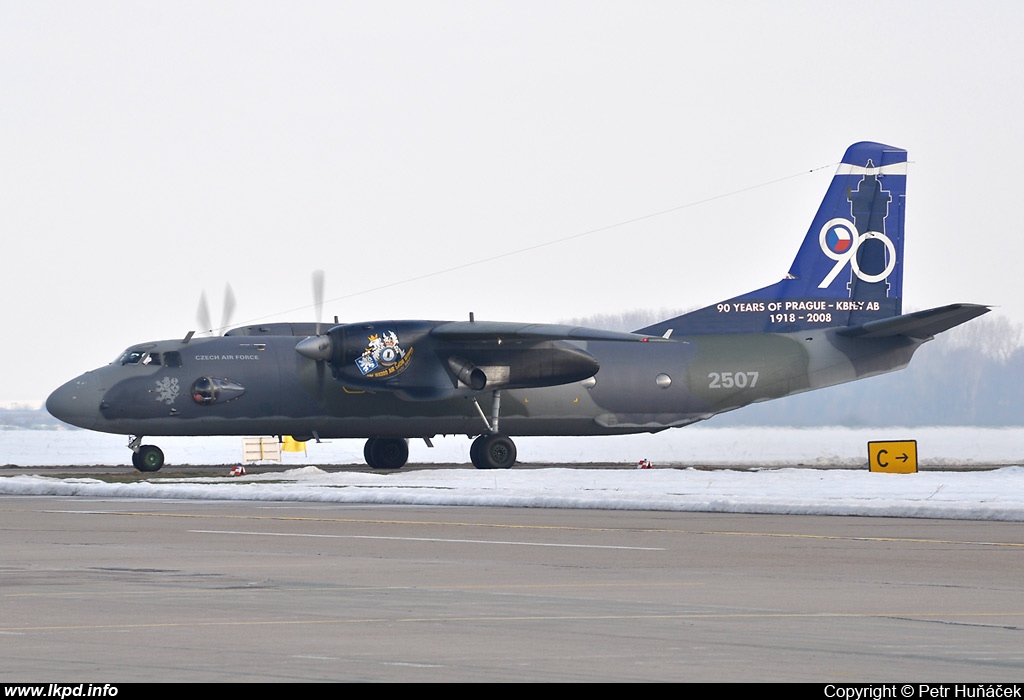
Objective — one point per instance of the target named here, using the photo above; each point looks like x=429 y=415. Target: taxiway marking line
x=232 y=591
x=515 y=618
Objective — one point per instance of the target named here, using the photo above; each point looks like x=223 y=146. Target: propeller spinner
x=316 y=347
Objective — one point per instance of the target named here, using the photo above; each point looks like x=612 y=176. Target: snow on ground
x=985 y=495
x=693 y=446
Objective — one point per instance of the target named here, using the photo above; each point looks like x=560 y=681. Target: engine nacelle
x=403 y=357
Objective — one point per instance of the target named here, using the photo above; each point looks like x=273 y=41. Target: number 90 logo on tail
x=840 y=240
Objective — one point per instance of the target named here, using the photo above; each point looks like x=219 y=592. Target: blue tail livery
x=849 y=269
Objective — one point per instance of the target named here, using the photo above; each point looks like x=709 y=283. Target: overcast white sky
x=149 y=150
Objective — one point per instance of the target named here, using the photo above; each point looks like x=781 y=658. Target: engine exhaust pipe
x=468 y=373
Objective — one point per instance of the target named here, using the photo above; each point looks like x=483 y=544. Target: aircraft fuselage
x=238 y=385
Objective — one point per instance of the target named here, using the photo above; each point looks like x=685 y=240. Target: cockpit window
x=172 y=359
x=132 y=357
x=140 y=355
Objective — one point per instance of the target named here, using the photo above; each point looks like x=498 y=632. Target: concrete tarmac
x=108 y=591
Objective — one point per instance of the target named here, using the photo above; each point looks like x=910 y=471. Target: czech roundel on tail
x=835 y=317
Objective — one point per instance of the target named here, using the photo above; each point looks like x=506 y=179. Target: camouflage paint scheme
x=836 y=317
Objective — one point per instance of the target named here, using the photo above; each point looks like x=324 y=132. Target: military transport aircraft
x=836 y=317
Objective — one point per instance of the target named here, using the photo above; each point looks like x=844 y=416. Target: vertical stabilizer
x=849 y=269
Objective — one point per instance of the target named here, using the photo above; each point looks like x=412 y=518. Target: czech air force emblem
x=167 y=390
x=383 y=356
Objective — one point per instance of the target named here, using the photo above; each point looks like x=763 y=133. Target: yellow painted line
x=426 y=539
x=567 y=528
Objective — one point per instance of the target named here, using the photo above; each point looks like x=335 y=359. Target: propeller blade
x=203 y=314
x=317 y=347
x=229 y=307
x=318 y=296
x=320 y=380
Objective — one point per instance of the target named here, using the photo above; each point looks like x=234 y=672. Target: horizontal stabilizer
x=920 y=324
x=495 y=330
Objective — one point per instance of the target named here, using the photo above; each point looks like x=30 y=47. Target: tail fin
x=849 y=269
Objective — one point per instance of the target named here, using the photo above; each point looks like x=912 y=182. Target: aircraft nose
x=77 y=402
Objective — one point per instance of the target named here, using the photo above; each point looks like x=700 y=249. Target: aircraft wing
x=497 y=330
x=920 y=324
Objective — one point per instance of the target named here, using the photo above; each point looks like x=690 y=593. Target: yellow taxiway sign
x=895 y=457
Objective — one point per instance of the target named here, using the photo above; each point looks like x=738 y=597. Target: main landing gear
x=386 y=453
x=492 y=450
x=145 y=458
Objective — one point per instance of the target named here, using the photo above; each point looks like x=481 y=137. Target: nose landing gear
x=145 y=458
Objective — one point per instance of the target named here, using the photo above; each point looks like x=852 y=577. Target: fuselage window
x=172 y=359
